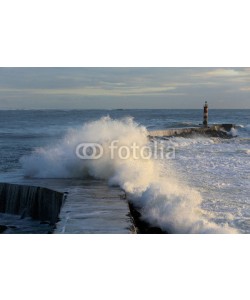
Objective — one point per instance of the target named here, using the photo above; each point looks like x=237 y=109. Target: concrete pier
x=93 y=207
x=89 y=207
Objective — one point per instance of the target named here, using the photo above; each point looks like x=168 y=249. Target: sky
x=127 y=88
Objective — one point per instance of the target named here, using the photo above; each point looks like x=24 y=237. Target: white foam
x=233 y=132
x=181 y=142
x=165 y=201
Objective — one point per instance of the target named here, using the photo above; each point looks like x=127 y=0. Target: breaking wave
x=164 y=200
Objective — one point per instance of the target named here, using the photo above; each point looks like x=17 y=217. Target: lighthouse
x=205 y=115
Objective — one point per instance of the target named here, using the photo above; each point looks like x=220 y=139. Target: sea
x=193 y=184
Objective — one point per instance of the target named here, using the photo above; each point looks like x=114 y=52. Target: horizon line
x=118 y=109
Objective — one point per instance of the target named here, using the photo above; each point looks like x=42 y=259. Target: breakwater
x=218 y=130
x=29 y=202
x=141 y=226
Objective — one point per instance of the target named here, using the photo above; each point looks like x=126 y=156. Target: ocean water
x=204 y=188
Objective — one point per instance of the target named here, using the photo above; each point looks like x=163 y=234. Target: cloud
x=226 y=73
x=165 y=87
x=222 y=73
x=93 y=91
x=245 y=88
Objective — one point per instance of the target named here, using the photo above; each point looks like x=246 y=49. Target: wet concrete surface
x=90 y=207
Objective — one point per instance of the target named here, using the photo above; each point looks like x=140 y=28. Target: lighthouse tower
x=205 y=115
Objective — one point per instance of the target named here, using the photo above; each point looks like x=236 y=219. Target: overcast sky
x=111 y=88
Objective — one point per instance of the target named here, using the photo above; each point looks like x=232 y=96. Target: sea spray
x=164 y=201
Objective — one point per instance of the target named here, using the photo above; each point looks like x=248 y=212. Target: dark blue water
x=23 y=130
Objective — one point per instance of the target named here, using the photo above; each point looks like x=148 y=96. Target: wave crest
x=164 y=200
